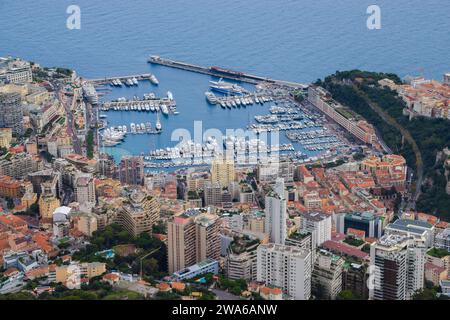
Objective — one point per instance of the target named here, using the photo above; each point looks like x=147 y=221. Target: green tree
x=426 y=294
x=90 y=144
x=347 y=295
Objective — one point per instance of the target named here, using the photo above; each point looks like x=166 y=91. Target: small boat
x=158 y=125
x=164 y=110
x=135 y=81
x=211 y=97
x=169 y=95
x=154 y=80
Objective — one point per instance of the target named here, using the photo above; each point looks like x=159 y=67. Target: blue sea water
x=298 y=40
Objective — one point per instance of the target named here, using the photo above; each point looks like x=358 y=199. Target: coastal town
x=328 y=214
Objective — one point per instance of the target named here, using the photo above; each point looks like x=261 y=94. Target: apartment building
x=192 y=237
x=212 y=194
x=18 y=166
x=421 y=231
x=275 y=213
x=15 y=71
x=9 y=187
x=442 y=240
x=85 y=192
x=139 y=213
x=322 y=100
x=398 y=264
x=318 y=225
x=285 y=267
x=327 y=275
x=131 y=170
x=240 y=261
x=222 y=171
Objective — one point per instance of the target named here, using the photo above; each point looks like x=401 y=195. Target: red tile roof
x=345 y=249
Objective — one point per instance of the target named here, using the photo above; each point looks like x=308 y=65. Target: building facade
x=398 y=267
x=11 y=115
x=275 y=213
x=192 y=237
x=285 y=267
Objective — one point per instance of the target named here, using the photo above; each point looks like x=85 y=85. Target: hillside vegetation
x=357 y=89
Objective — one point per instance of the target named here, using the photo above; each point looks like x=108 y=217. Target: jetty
x=221 y=72
x=108 y=80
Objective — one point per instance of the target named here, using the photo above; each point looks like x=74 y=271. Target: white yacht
x=158 y=125
x=154 y=80
x=164 y=110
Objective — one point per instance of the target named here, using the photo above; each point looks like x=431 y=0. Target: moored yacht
x=154 y=80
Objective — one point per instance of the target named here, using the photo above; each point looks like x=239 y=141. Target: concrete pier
x=220 y=72
x=108 y=80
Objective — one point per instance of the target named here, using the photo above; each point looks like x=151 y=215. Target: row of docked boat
x=234 y=101
x=293 y=125
x=141 y=128
x=267 y=119
x=232 y=146
x=113 y=136
x=127 y=82
x=139 y=106
x=164 y=105
x=239 y=160
x=309 y=135
x=132 y=81
x=322 y=147
x=282 y=110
